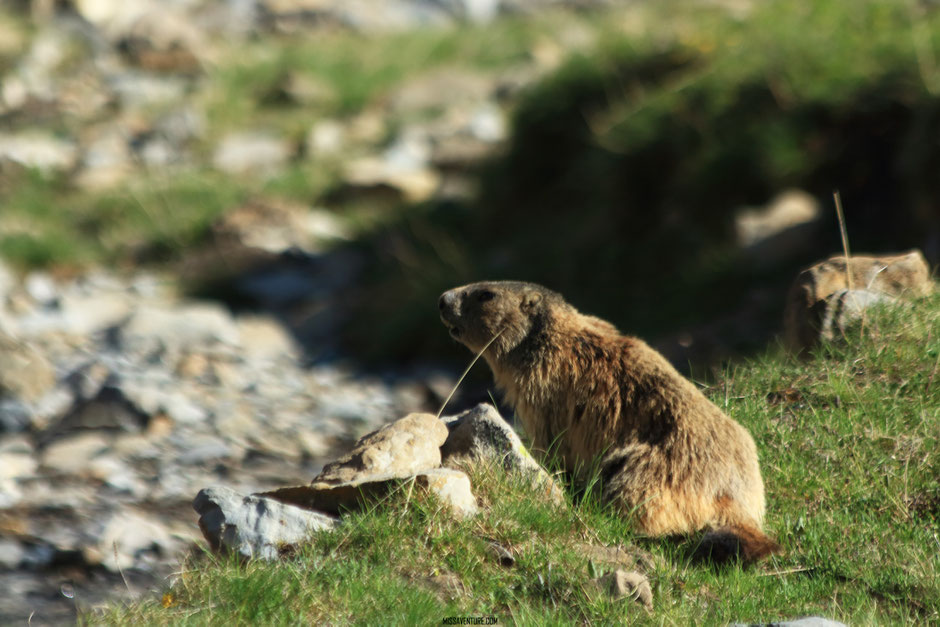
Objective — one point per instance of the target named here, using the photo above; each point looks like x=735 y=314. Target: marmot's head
x=475 y=313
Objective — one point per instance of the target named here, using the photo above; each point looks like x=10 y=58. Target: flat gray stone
x=255 y=526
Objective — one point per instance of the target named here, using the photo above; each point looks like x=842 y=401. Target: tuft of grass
x=850 y=451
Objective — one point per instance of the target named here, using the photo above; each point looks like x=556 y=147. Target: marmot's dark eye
x=485 y=295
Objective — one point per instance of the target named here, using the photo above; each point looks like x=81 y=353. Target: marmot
x=587 y=392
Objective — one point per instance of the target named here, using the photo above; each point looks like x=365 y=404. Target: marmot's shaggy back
x=586 y=392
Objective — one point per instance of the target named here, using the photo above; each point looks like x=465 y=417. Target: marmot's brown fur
x=583 y=390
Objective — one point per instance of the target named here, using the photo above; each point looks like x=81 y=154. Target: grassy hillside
x=626 y=166
x=850 y=451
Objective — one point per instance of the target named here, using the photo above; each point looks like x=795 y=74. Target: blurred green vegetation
x=619 y=181
x=625 y=167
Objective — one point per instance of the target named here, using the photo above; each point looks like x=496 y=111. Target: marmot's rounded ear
x=530 y=298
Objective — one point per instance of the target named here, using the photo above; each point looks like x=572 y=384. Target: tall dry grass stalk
x=463 y=376
x=845 y=238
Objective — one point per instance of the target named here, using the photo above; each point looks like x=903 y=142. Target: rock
x=182 y=326
x=896 y=276
x=25 y=374
x=106 y=160
x=73 y=455
x=844 y=307
x=451 y=487
x=42 y=289
x=255 y=526
x=251 y=153
x=15 y=416
x=139 y=90
x=783 y=228
x=203 y=449
x=83 y=315
x=482 y=434
x=622 y=584
x=117 y=475
x=11 y=553
x=371 y=174
x=278 y=227
x=400 y=449
x=38 y=150
x=127 y=538
x=109 y=409
x=488 y=124
x=17 y=458
x=326 y=138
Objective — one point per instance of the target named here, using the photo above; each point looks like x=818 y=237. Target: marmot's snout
x=447 y=301
x=449 y=305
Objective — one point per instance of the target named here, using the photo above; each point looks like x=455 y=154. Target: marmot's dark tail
x=747 y=544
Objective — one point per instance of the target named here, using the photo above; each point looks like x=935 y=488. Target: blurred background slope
x=664 y=165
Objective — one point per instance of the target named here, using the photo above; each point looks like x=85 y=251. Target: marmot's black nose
x=447 y=300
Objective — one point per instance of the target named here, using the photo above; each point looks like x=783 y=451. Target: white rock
x=255 y=526
x=41 y=288
x=130 y=535
x=415 y=184
x=118 y=475
x=103 y=11
x=26 y=373
x=488 y=124
x=452 y=487
x=73 y=455
x=236 y=424
x=106 y=161
x=411 y=151
x=251 y=153
x=313 y=444
x=200 y=449
x=326 y=138
x=54 y=404
x=787 y=210
x=182 y=409
x=37 y=150
x=11 y=553
x=137 y=90
x=188 y=326
x=17 y=458
x=264 y=339
x=84 y=315
x=11 y=493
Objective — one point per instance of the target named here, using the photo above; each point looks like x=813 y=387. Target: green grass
x=46 y=222
x=850 y=451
